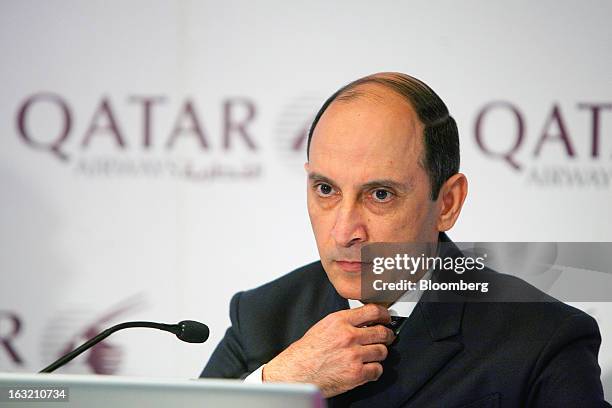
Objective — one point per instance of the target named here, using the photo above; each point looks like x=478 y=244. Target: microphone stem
x=172 y=328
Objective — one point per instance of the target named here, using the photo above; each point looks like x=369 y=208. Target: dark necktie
x=396 y=324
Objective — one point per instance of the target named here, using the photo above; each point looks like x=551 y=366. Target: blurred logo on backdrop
x=149 y=136
x=67 y=330
x=71 y=328
x=564 y=145
x=291 y=130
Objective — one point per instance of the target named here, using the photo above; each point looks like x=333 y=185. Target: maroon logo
x=151 y=149
x=104 y=123
x=292 y=127
x=554 y=131
x=576 y=151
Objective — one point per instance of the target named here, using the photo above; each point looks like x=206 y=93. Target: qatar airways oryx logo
x=144 y=135
x=67 y=329
x=564 y=145
x=72 y=327
x=291 y=130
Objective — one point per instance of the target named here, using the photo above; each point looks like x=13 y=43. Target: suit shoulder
x=275 y=314
x=306 y=280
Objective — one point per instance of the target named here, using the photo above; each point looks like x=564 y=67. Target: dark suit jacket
x=449 y=354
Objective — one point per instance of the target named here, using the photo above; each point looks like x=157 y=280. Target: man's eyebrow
x=380 y=183
x=389 y=183
x=321 y=178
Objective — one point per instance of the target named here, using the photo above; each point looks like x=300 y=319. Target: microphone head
x=192 y=331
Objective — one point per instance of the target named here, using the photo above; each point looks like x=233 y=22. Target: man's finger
x=376 y=334
x=368 y=314
x=374 y=352
x=372 y=371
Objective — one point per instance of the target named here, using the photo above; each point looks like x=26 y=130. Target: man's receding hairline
x=369 y=90
x=390 y=81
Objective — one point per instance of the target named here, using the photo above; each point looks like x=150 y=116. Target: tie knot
x=396 y=324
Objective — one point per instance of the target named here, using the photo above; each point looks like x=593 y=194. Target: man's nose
x=349 y=228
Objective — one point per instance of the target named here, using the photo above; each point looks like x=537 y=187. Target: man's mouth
x=350 y=266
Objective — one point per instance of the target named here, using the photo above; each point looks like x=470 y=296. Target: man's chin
x=348 y=290
x=347 y=284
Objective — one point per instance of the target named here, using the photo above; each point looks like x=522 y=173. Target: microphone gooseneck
x=189 y=331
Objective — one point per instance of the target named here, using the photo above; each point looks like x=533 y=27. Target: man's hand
x=339 y=353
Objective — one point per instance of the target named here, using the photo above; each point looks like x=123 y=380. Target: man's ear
x=450 y=199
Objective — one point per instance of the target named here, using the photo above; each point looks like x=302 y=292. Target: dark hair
x=440 y=134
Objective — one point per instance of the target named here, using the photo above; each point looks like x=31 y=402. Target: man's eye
x=324 y=190
x=382 y=196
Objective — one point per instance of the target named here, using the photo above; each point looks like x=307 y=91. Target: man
x=383 y=162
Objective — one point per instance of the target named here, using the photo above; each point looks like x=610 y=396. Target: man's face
x=366 y=183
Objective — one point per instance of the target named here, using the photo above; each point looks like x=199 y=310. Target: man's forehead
x=372 y=108
x=374 y=130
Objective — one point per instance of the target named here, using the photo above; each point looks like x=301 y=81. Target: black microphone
x=187 y=330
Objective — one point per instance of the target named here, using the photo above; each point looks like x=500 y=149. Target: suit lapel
x=425 y=345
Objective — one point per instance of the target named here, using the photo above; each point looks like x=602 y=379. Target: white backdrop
x=151 y=155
